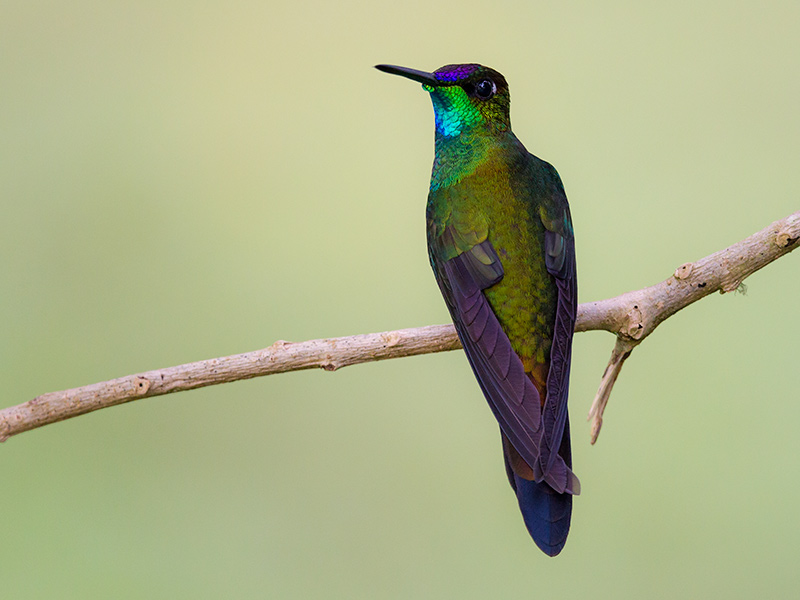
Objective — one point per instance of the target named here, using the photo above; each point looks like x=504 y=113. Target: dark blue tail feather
x=546 y=514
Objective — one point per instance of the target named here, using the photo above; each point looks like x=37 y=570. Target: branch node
x=141 y=385
x=684 y=271
x=784 y=239
x=635 y=327
x=733 y=286
x=392 y=339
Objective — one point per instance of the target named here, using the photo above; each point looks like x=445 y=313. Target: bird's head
x=465 y=97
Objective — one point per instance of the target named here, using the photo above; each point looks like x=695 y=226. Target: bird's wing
x=560 y=263
x=463 y=271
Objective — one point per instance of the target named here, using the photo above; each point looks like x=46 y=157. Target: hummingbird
x=502 y=249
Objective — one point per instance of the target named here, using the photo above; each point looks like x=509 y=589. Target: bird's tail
x=546 y=512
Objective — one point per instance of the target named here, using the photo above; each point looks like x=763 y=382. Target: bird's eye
x=485 y=89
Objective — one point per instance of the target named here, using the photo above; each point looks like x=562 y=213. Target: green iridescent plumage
x=501 y=245
x=524 y=300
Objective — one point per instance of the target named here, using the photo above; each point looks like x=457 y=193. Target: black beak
x=420 y=76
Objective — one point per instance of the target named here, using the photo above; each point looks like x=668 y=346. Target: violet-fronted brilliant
x=502 y=248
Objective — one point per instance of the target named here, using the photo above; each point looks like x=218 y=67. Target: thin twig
x=631 y=317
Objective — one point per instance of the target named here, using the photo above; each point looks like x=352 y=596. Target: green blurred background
x=185 y=180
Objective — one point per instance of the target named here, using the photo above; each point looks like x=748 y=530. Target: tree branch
x=631 y=317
